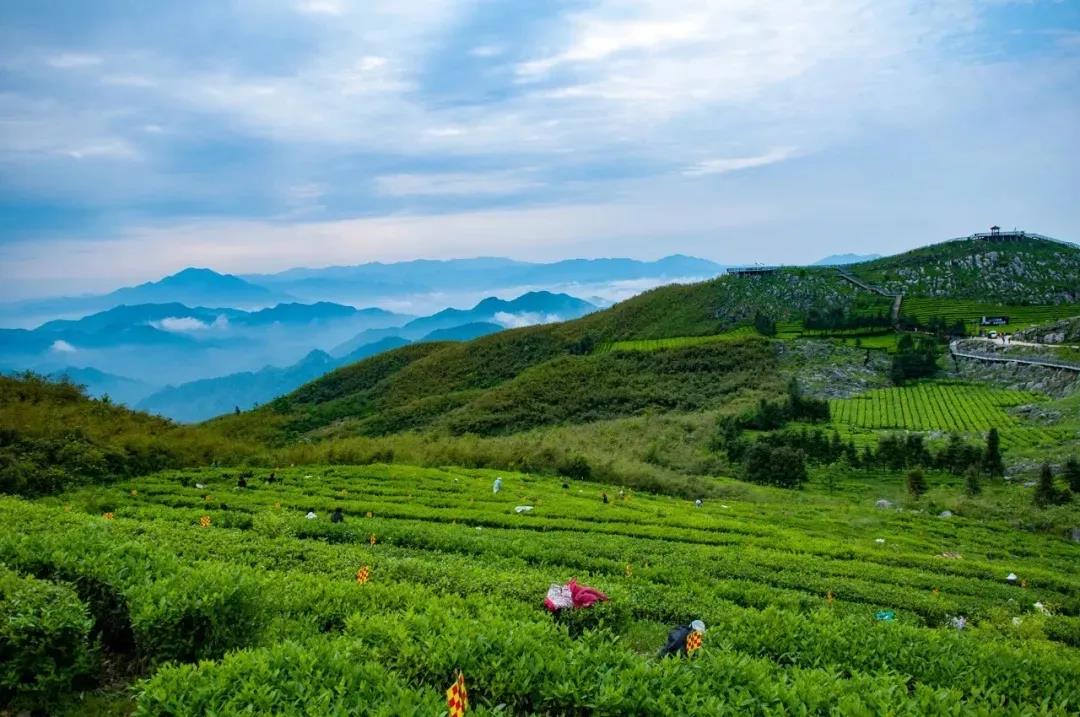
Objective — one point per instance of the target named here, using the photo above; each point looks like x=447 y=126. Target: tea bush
x=46 y=650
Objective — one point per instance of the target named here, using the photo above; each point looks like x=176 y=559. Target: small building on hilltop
x=753 y=270
x=996 y=235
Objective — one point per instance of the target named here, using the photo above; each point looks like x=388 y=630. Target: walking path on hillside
x=897 y=298
x=1027 y=360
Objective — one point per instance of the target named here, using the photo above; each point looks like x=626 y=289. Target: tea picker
x=337 y=517
x=684 y=640
x=496 y=486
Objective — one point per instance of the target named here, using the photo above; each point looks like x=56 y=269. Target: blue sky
x=137 y=138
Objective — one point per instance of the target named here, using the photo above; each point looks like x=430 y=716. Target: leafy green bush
x=286 y=679
x=198 y=613
x=45 y=645
x=775 y=465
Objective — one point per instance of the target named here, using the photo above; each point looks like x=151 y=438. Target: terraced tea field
x=946 y=407
x=971 y=312
x=183 y=566
x=677 y=342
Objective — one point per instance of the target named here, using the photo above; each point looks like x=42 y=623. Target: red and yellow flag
x=362 y=574
x=457 y=698
x=693 y=642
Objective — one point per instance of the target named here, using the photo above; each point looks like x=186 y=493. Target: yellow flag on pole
x=693 y=642
x=457 y=698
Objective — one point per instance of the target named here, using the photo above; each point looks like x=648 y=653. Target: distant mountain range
x=361 y=284
x=205 y=398
x=534 y=307
x=482 y=274
x=844 y=259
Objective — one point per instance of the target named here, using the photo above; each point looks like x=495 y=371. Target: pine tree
x=992 y=461
x=1045 y=493
x=1072 y=474
x=916 y=483
x=972 y=486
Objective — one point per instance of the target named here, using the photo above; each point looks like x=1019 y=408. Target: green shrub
x=286 y=679
x=575 y=467
x=775 y=465
x=45 y=645
x=197 y=613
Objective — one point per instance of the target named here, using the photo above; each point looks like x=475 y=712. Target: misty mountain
x=175 y=343
x=206 y=398
x=99 y=383
x=465 y=332
x=192 y=287
x=843 y=259
x=534 y=307
x=484 y=274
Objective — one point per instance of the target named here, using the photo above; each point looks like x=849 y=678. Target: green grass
x=788 y=583
x=943 y=407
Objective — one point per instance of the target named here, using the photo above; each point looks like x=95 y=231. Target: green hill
x=1025 y=271
x=53 y=436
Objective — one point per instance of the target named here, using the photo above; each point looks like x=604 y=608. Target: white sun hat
x=698 y=626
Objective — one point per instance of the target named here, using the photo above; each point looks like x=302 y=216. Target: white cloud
x=321 y=7
x=371 y=62
x=487 y=51
x=188 y=324
x=734 y=164
x=73 y=60
x=61 y=346
x=454 y=184
x=525 y=318
x=108 y=149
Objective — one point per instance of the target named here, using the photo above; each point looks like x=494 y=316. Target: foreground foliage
x=788 y=584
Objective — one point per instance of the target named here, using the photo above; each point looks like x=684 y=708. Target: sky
x=141 y=137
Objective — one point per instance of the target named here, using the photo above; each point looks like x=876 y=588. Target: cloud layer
x=322 y=131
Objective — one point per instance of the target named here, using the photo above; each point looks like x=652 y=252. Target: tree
x=764 y=325
x=972 y=486
x=775 y=465
x=1045 y=493
x=916 y=483
x=992 y=461
x=1072 y=474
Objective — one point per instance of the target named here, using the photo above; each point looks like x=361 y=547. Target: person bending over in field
x=337 y=517
x=678 y=638
x=604 y=496
x=311 y=514
x=241 y=482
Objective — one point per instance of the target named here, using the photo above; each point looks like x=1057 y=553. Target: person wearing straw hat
x=680 y=637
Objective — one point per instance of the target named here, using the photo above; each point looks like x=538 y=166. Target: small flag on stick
x=362 y=574
x=457 y=698
x=204 y=522
x=693 y=642
x=372 y=539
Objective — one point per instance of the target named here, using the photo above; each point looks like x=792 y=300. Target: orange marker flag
x=693 y=642
x=372 y=539
x=362 y=574
x=457 y=698
x=108 y=516
x=204 y=522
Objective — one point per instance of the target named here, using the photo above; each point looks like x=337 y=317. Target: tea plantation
x=181 y=593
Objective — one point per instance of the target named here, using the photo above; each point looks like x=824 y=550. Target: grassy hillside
x=52 y=435
x=1030 y=271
